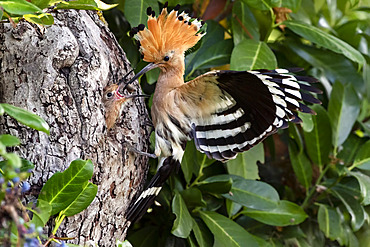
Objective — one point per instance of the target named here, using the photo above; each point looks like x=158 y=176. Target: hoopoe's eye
x=166 y=58
x=109 y=95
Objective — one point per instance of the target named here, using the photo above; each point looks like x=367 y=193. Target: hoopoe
x=225 y=112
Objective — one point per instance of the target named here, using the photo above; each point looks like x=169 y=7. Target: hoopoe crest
x=225 y=112
x=168 y=34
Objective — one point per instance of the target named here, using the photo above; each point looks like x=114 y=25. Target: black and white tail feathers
x=146 y=198
x=252 y=106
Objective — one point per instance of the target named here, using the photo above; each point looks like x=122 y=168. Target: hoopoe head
x=166 y=38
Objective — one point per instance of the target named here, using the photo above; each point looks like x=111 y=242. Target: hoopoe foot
x=135 y=150
x=148 y=123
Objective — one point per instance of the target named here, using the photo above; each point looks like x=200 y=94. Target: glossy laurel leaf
x=183 y=222
x=41 y=213
x=284 y=214
x=135 y=11
x=344 y=107
x=319 y=139
x=9 y=140
x=251 y=54
x=82 y=201
x=329 y=222
x=245 y=164
x=252 y=194
x=27 y=118
x=64 y=187
x=19 y=7
x=85 y=4
x=326 y=40
x=226 y=231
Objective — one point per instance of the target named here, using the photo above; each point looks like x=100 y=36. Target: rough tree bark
x=59 y=73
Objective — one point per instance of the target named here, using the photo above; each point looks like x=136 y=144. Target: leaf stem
x=313 y=188
x=58 y=222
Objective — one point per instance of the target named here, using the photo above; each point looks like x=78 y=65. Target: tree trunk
x=59 y=73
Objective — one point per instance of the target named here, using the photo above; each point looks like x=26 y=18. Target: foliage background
x=308 y=185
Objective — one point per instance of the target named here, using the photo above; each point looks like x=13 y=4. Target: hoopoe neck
x=171 y=77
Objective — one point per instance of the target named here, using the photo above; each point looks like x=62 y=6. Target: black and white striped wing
x=252 y=106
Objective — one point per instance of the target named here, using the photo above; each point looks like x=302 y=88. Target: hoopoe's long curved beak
x=122 y=86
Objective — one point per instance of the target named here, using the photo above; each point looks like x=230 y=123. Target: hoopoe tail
x=137 y=209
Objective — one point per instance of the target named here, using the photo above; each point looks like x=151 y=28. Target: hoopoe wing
x=244 y=107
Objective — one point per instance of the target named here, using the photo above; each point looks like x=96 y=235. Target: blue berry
x=31 y=228
x=25 y=187
x=31 y=242
x=2 y=180
x=16 y=179
x=8 y=190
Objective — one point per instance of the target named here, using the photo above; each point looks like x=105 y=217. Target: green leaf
x=193 y=160
x=353 y=207
x=362 y=159
x=364 y=182
x=244 y=24
x=217 y=184
x=211 y=44
x=251 y=54
x=245 y=164
x=326 y=40
x=146 y=236
x=9 y=140
x=307 y=124
x=253 y=194
x=226 y=231
x=262 y=5
x=335 y=66
x=344 y=107
x=13 y=159
x=1 y=108
x=193 y=197
x=216 y=55
x=82 y=201
x=85 y=4
x=202 y=234
x=42 y=4
x=350 y=149
x=183 y=222
x=301 y=165
x=27 y=118
x=19 y=7
x=42 y=19
x=232 y=208
x=284 y=214
x=318 y=141
x=26 y=165
x=41 y=214
x=329 y=222
x=135 y=11
x=64 y=187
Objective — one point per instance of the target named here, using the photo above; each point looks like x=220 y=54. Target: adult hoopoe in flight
x=225 y=112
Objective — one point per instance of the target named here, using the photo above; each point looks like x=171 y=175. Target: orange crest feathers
x=169 y=32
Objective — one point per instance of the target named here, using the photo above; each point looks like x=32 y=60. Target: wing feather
x=239 y=109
